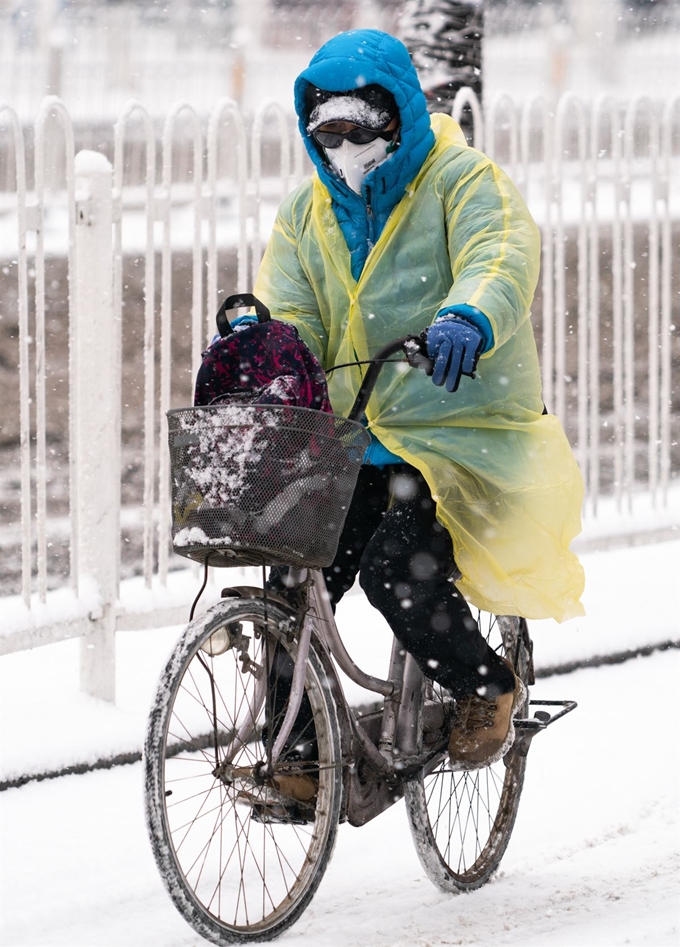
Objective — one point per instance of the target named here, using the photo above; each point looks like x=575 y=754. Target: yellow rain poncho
x=503 y=475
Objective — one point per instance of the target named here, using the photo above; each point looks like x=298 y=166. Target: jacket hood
x=351 y=61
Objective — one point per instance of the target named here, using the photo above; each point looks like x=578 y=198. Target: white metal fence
x=601 y=178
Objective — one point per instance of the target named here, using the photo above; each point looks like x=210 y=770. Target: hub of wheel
x=242 y=776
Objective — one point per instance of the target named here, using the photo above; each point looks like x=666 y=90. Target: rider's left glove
x=455 y=346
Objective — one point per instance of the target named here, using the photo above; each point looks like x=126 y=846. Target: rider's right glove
x=455 y=346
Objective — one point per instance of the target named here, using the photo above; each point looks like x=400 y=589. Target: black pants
x=404 y=559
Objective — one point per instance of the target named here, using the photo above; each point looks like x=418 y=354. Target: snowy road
x=593 y=860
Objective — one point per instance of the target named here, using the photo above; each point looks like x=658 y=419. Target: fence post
x=96 y=389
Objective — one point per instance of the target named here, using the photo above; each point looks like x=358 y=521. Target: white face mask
x=353 y=162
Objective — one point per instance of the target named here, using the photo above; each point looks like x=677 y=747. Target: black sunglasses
x=357 y=136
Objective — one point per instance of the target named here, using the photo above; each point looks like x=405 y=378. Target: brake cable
x=367 y=361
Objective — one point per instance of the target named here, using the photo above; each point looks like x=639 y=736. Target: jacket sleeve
x=283 y=286
x=494 y=244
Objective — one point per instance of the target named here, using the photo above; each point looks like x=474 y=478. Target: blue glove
x=455 y=345
x=239 y=321
x=246 y=320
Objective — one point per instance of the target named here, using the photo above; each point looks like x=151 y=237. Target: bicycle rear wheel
x=240 y=859
x=461 y=822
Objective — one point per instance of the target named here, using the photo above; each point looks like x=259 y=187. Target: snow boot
x=302 y=788
x=483 y=729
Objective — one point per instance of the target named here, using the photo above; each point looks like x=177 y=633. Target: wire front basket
x=255 y=484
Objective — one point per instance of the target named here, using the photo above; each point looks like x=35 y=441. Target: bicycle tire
x=461 y=822
x=234 y=875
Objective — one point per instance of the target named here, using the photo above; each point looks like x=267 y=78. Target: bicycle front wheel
x=240 y=859
x=461 y=822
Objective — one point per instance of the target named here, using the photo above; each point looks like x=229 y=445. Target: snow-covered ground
x=593 y=859
x=594 y=856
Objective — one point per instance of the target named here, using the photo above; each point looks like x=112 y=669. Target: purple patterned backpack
x=265 y=362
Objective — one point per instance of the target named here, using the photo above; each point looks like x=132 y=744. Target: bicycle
x=251 y=695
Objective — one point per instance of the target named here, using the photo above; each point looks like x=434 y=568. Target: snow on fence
x=601 y=179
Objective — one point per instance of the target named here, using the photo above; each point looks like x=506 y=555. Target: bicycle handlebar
x=413 y=347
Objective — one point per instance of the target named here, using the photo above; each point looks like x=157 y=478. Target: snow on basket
x=261 y=483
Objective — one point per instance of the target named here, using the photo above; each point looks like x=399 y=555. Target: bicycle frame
x=382 y=750
x=387 y=741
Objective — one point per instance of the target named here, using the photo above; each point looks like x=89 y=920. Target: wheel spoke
x=218 y=820
x=193 y=741
x=193 y=821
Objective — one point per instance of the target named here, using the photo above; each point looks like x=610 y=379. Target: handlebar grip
x=239 y=301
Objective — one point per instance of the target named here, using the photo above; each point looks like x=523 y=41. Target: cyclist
x=469 y=491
